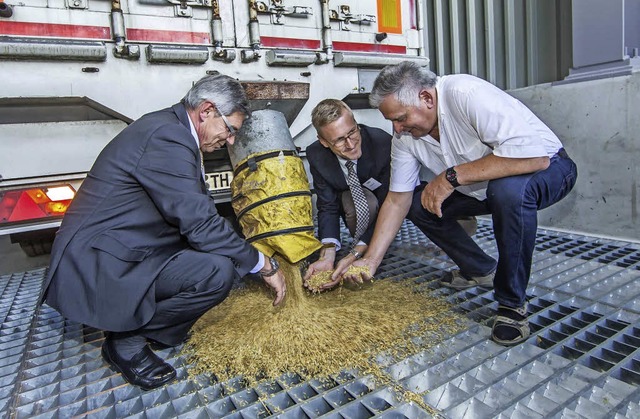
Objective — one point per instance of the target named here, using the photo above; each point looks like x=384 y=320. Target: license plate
x=219 y=181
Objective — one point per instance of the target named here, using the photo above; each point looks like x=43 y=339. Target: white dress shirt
x=475 y=119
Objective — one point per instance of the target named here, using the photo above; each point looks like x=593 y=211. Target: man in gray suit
x=142 y=252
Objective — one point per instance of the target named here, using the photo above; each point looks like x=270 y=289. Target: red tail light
x=20 y=205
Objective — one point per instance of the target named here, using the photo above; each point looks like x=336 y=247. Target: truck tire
x=36 y=248
x=35 y=243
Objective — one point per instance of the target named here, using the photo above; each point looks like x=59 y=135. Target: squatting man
x=142 y=252
x=491 y=155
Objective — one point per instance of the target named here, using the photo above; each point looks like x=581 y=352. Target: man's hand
x=320 y=265
x=274 y=279
x=435 y=193
x=340 y=273
x=276 y=282
x=365 y=275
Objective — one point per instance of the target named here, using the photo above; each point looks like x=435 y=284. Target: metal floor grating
x=582 y=360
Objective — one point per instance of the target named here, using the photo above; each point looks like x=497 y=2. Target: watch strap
x=452 y=176
x=274 y=268
x=355 y=253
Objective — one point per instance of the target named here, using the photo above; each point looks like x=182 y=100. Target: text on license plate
x=218 y=181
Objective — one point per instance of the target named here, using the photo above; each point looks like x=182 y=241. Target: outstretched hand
x=360 y=275
x=277 y=283
x=318 y=266
x=341 y=273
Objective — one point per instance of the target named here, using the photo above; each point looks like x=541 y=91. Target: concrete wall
x=599 y=123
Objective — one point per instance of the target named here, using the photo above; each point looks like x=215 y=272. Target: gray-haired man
x=491 y=155
x=142 y=252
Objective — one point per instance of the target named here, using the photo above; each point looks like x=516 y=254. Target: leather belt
x=562 y=153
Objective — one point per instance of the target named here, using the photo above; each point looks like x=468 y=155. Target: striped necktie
x=359 y=201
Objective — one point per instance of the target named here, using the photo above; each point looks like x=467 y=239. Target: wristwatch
x=274 y=268
x=355 y=253
x=452 y=177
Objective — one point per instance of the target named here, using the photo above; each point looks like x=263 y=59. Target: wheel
x=36 y=248
x=35 y=243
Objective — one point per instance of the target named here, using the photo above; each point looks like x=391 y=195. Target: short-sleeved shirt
x=475 y=119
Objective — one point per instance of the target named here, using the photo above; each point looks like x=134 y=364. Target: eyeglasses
x=341 y=141
x=230 y=128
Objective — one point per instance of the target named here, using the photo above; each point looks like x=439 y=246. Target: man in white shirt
x=491 y=155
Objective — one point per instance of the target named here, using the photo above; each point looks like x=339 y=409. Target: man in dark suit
x=342 y=140
x=142 y=252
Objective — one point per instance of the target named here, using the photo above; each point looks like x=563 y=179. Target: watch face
x=452 y=176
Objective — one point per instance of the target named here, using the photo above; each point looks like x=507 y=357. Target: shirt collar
x=193 y=132
x=343 y=162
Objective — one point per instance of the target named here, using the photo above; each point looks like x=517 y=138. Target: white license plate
x=219 y=181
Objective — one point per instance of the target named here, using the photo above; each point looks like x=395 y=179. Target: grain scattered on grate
x=314 y=335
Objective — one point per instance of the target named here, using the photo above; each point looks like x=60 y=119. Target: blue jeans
x=513 y=203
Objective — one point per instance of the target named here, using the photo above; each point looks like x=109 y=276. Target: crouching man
x=142 y=252
x=491 y=155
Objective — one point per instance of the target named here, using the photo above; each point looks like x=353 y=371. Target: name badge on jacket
x=372 y=184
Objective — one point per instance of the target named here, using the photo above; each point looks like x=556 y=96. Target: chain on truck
x=78 y=71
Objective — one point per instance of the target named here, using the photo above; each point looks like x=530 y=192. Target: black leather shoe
x=145 y=369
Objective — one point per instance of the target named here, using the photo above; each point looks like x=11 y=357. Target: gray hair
x=328 y=111
x=225 y=92
x=404 y=80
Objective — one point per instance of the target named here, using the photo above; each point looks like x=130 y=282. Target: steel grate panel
x=582 y=360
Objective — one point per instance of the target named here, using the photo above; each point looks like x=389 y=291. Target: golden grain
x=316 y=335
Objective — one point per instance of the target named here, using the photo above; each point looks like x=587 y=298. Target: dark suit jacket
x=329 y=181
x=143 y=202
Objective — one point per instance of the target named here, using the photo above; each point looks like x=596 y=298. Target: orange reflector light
x=57 y=208
x=37 y=195
x=33 y=204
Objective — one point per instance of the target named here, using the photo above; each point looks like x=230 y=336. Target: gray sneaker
x=455 y=280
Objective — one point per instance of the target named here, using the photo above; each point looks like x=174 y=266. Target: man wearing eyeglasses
x=142 y=252
x=341 y=140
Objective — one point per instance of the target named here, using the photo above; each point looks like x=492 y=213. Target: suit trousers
x=349 y=208
x=513 y=203
x=186 y=288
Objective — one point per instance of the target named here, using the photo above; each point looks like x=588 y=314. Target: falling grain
x=315 y=335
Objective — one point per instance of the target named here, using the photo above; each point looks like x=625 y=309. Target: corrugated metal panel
x=511 y=43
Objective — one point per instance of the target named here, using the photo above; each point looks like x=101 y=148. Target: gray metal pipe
x=420 y=24
x=327 y=42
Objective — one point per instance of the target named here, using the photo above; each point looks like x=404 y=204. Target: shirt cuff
x=332 y=241
x=259 y=265
x=404 y=187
